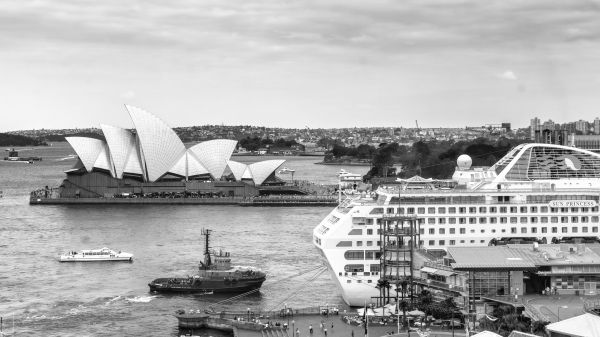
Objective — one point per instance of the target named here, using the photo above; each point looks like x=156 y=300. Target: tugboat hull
x=185 y=285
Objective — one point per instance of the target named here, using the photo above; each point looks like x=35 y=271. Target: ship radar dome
x=464 y=162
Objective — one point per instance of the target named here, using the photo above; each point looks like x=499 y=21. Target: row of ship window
x=514 y=220
x=514 y=230
x=484 y=209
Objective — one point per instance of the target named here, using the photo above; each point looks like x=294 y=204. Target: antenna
x=207 y=260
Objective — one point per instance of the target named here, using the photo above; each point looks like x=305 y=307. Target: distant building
x=582 y=126
x=534 y=126
x=587 y=142
x=597 y=126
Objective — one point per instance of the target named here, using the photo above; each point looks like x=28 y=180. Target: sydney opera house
x=152 y=159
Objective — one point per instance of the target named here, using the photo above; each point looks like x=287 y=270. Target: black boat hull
x=206 y=286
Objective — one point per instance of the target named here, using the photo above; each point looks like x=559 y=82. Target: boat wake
x=140 y=299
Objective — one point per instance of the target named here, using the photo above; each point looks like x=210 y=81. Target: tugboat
x=213 y=276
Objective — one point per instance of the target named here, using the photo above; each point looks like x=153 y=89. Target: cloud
x=508 y=75
x=128 y=94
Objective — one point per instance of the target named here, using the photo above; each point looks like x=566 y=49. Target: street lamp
x=558 y=311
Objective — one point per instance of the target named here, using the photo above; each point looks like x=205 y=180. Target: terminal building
x=152 y=160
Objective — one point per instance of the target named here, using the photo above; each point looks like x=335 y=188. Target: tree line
x=17 y=140
x=429 y=159
x=255 y=143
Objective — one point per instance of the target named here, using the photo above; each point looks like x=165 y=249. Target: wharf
x=301 y=320
x=280 y=201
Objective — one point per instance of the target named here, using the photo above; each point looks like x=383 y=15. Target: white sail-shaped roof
x=263 y=169
x=87 y=150
x=103 y=161
x=195 y=168
x=247 y=174
x=160 y=144
x=213 y=155
x=180 y=168
x=237 y=169
x=121 y=143
x=133 y=164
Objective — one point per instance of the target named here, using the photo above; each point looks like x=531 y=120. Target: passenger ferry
x=537 y=192
x=103 y=254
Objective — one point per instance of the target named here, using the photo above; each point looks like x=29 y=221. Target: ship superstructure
x=537 y=192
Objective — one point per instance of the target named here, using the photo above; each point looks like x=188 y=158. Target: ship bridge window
x=533 y=219
x=544 y=230
x=554 y=219
x=574 y=229
x=595 y=219
x=376 y=210
x=431 y=210
x=452 y=210
x=356 y=231
x=544 y=209
x=401 y=210
x=585 y=219
x=431 y=221
x=553 y=209
x=472 y=220
x=452 y=221
x=493 y=209
x=431 y=230
x=523 y=219
x=564 y=219
x=442 y=231
x=462 y=220
x=564 y=229
x=503 y=209
x=344 y=244
x=472 y=209
x=354 y=268
x=452 y=230
x=544 y=219
x=584 y=229
x=375 y=268
x=482 y=220
x=482 y=210
x=574 y=209
x=354 y=255
x=431 y=242
x=369 y=231
x=442 y=221
x=462 y=210
x=390 y=211
x=410 y=210
x=421 y=210
x=441 y=210
x=523 y=209
x=533 y=209
x=574 y=219
x=554 y=229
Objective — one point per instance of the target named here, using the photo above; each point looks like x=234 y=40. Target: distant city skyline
x=293 y=64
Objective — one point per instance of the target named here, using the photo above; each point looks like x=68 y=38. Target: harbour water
x=112 y=299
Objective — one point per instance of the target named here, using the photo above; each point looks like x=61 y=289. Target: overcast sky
x=293 y=63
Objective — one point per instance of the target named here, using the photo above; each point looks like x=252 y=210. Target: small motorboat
x=92 y=255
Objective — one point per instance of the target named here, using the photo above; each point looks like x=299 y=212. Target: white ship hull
x=97 y=255
x=537 y=192
x=67 y=258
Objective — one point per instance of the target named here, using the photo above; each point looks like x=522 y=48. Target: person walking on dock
x=325 y=331
x=310 y=330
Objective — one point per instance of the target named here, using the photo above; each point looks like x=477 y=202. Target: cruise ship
x=537 y=192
